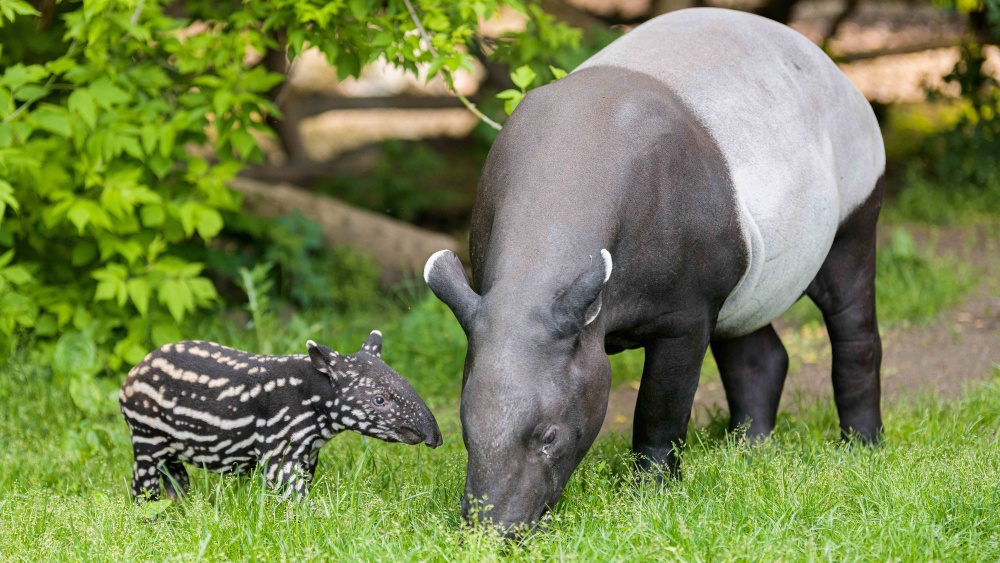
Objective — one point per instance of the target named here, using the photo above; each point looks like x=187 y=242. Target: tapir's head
x=535 y=389
x=372 y=398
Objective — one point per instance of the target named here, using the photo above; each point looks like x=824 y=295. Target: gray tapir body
x=679 y=190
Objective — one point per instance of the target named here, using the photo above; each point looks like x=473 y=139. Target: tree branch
x=449 y=80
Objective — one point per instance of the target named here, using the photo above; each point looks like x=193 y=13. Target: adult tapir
x=679 y=190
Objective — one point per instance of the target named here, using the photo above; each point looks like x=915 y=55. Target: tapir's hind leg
x=844 y=290
x=753 y=369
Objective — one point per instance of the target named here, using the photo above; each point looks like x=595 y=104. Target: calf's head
x=535 y=387
x=374 y=400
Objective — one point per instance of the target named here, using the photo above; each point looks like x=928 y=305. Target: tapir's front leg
x=666 y=395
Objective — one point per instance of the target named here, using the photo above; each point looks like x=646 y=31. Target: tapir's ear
x=373 y=345
x=446 y=277
x=579 y=304
x=322 y=358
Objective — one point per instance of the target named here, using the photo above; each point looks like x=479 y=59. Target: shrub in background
x=107 y=110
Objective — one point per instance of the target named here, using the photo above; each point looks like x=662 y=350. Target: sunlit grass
x=930 y=493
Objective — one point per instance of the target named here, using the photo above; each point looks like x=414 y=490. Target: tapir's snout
x=433 y=438
x=426 y=431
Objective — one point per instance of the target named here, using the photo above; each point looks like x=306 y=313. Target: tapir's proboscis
x=679 y=190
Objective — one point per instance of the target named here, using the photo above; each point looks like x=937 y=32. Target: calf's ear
x=579 y=303
x=445 y=276
x=322 y=358
x=373 y=345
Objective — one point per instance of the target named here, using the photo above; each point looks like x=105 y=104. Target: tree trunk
x=400 y=248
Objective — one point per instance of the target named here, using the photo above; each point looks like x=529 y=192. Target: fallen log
x=400 y=248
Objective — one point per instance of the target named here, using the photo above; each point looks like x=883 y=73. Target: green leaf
x=139 y=292
x=11 y=8
x=106 y=94
x=75 y=354
x=209 y=223
x=149 y=136
x=523 y=76
x=243 y=142
x=152 y=215
x=84 y=253
x=177 y=297
x=81 y=102
x=6 y=102
x=53 y=119
x=7 y=199
x=557 y=73
x=152 y=509
x=512 y=97
x=359 y=8
x=30 y=92
x=79 y=215
x=17 y=275
x=46 y=325
x=19 y=75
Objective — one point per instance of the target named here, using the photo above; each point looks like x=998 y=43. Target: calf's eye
x=379 y=400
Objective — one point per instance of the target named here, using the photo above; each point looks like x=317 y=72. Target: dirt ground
x=960 y=346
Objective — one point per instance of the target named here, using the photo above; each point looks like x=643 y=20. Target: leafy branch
x=448 y=78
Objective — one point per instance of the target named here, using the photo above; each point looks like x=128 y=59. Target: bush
x=120 y=127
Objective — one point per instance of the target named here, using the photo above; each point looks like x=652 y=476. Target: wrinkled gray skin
x=623 y=207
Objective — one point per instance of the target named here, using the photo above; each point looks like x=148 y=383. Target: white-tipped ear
x=607 y=264
x=429 y=266
x=445 y=275
x=373 y=345
x=579 y=303
x=322 y=358
x=595 y=308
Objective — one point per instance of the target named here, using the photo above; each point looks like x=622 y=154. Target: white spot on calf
x=201 y=353
x=231 y=392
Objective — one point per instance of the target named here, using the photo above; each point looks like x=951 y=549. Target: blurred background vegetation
x=131 y=129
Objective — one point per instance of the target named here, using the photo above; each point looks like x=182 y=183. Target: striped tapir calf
x=231 y=411
x=678 y=191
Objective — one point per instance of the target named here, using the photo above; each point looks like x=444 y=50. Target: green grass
x=930 y=493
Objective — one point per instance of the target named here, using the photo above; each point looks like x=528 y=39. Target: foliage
x=966 y=153
x=98 y=184
x=121 y=126
x=523 y=77
x=929 y=494
x=297 y=264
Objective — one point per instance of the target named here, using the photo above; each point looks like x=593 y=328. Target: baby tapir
x=231 y=411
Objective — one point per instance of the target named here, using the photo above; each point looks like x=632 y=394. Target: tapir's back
x=801 y=143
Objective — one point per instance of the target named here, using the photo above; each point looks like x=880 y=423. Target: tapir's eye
x=378 y=400
x=549 y=437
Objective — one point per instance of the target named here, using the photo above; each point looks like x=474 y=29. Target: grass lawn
x=931 y=493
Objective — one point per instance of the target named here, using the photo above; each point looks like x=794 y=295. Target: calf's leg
x=175 y=479
x=145 y=474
